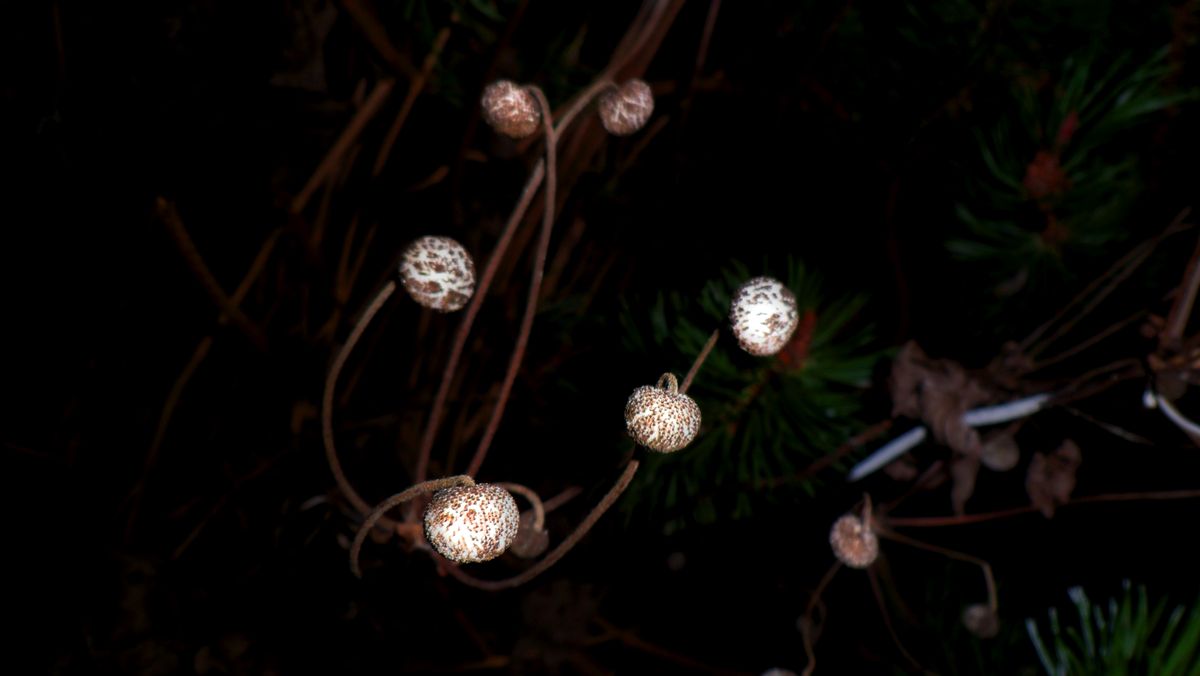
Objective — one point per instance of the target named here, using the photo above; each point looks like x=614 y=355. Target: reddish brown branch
x=349 y=135
x=339 y=361
x=966 y=519
x=414 y=90
x=169 y=215
x=535 y=288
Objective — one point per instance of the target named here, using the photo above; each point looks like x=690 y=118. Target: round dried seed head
x=1000 y=453
x=763 y=315
x=853 y=543
x=625 y=109
x=530 y=542
x=469 y=524
x=510 y=109
x=981 y=620
x=438 y=273
x=660 y=418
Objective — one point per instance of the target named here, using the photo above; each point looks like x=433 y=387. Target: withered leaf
x=939 y=392
x=1051 y=478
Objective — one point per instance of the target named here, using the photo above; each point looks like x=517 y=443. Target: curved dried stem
x=807 y=625
x=539 y=510
x=339 y=361
x=966 y=519
x=535 y=287
x=376 y=514
x=988 y=579
x=887 y=621
x=581 y=530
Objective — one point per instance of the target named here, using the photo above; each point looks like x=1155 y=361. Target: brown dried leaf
x=902 y=469
x=939 y=392
x=1051 y=478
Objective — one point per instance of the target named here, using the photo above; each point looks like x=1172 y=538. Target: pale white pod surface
x=469 y=524
x=510 y=109
x=626 y=109
x=438 y=273
x=763 y=315
x=662 y=419
x=853 y=542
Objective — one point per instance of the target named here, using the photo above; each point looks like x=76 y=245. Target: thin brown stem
x=808 y=623
x=335 y=369
x=349 y=135
x=1068 y=353
x=535 y=501
x=704 y=352
x=414 y=90
x=631 y=639
x=989 y=579
x=569 y=493
x=464 y=328
x=185 y=376
x=169 y=215
x=375 y=33
x=558 y=552
x=1171 y=337
x=871 y=433
x=580 y=102
x=376 y=514
x=966 y=519
x=1101 y=287
x=535 y=288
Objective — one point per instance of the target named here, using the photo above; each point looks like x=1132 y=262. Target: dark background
x=841 y=134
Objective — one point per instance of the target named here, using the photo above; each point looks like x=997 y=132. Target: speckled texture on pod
x=469 y=524
x=853 y=543
x=438 y=273
x=510 y=109
x=661 y=420
x=626 y=109
x=763 y=315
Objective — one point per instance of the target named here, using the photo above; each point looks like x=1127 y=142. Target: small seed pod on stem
x=625 y=109
x=853 y=539
x=763 y=315
x=377 y=514
x=438 y=273
x=660 y=417
x=510 y=109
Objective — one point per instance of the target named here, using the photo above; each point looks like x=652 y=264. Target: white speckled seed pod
x=438 y=273
x=660 y=418
x=763 y=315
x=853 y=543
x=510 y=109
x=469 y=524
x=626 y=109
